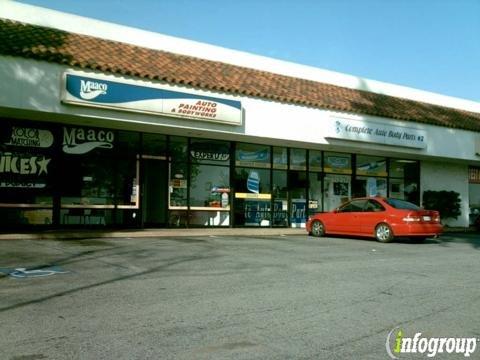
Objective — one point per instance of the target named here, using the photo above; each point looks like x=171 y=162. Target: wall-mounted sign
x=380 y=133
x=101 y=91
x=81 y=141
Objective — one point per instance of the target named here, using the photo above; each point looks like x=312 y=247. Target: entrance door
x=155 y=191
x=297 y=186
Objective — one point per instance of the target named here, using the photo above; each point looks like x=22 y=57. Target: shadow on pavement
x=467 y=238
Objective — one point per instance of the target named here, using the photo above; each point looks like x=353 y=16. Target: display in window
x=253 y=155
x=298 y=159
x=371 y=165
x=340 y=188
x=211 y=151
x=337 y=190
x=315 y=160
x=253 y=182
x=337 y=163
x=24 y=170
x=280 y=158
x=219 y=197
x=29 y=137
x=209 y=183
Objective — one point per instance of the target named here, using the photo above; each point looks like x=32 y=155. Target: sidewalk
x=66 y=234
x=138 y=233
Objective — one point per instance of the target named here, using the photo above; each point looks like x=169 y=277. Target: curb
x=91 y=234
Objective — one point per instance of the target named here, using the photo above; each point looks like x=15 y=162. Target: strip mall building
x=104 y=125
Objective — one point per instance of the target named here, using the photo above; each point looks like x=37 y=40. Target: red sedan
x=377 y=217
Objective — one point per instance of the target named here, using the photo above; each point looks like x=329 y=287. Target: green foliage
x=446 y=202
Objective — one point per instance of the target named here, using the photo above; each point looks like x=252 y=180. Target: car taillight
x=436 y=218
x=410 y=219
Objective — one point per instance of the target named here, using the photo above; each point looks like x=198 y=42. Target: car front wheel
x=383 y=233
x=317 y=228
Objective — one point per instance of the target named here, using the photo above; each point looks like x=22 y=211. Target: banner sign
x=380 y=133
x=131 y=96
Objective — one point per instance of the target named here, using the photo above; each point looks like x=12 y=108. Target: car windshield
x=402 y=204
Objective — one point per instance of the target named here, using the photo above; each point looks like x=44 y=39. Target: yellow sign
x=253 y=196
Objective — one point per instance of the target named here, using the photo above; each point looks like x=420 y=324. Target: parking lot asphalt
x=233 y=297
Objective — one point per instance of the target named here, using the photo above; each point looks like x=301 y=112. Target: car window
x=374 y=206
x=353 y=206
x=402 y=204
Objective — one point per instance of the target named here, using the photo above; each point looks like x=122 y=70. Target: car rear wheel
x=318 y=229
x=383 y=233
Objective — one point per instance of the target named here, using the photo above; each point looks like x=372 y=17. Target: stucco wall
x=439 y=176
x=36 y=86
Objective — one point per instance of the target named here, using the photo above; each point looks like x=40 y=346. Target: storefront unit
x=95 y=132
x=67 y=175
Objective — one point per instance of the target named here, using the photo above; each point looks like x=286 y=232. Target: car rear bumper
x=418 y=229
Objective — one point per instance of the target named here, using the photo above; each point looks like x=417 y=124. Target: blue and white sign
x=253 y=182
x=376 y=132
x=129 y=95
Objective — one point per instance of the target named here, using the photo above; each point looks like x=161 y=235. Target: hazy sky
x=432 y=45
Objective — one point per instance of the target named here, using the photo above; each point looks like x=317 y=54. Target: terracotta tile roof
x=53 y=45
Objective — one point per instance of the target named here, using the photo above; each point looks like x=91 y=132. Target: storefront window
x=474 y=194
x=252 y=197
x=280 y=158
x=404 y=180
x=90 y=184
x=12 y=217
x=315 y=160
x=177 y=185
x=252 y=155
x=154 y=144
x=337 y=189
x=88 y=167
x=178 y=149
x=297 y=186
x=315 y=193
x=370 y=186
x=127 y=169
x=27 y=164
x=371 y=166
x=209 y=218
x=280 y=198
x=210 y=187
x=298 y=159
x=337 y=163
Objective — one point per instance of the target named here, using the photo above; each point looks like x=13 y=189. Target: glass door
x=155 y=189
x=297 y=185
